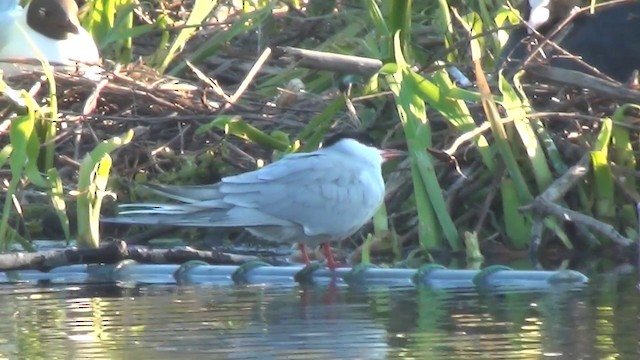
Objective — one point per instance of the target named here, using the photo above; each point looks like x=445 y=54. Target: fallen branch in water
x=111 y=253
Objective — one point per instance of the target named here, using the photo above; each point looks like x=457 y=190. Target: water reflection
x=164 y=322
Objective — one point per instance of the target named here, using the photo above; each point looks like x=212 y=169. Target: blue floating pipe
x=70 y=274
x=371 y=275
x=74 y=274
x=268 y=274
x=493 y=278
x=131 y=272
x=503 y=278
x=207 y=274
x=444 y=279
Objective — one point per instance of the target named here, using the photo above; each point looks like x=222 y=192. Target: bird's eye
x=42 y=12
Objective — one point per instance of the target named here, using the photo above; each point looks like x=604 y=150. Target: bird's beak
x=70 y=27
x=391 y=153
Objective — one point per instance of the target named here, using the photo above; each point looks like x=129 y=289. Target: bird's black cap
x=55 y=19
x=360 y=136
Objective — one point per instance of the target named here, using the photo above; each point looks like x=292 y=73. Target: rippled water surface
x=268 y=322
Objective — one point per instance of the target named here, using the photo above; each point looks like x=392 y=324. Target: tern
x=309 y=198
x=47 y=29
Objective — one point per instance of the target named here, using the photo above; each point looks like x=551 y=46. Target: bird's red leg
x=326 y=251
x=303 y=252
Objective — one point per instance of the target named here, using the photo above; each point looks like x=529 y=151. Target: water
x=294 y=322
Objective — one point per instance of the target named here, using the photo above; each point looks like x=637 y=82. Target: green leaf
x=201 y=10
x=234 y=125
x=517 y=225
x=92 y=181
x=604 y=186
x=433 y=215
x=56 y=195
x=247 y=23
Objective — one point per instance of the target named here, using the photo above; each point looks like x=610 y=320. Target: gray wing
x=187 y=193
x=192 y=194
x=198 y=193
x=205 y=205
x=319 y=191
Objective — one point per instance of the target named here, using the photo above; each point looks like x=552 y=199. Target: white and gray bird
x=309 y=198
x=50 y=26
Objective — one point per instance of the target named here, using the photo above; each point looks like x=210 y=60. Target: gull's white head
x=539 y=13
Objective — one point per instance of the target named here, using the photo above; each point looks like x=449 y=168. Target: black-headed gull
x=607 y=39
x=44 y=28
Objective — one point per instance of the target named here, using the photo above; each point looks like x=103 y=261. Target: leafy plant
x=92 y=188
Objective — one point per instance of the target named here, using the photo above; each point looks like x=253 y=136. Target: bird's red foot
x=326 y=251
x=303 y=253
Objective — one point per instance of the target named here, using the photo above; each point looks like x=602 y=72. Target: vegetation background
x=196 y=90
